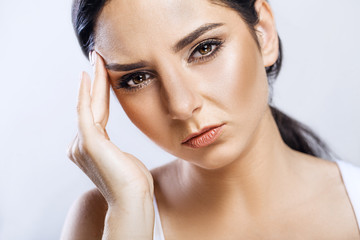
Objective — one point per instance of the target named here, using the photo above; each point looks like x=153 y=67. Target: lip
x=204 y=137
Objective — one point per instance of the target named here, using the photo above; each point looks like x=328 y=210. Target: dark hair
x=295 y=134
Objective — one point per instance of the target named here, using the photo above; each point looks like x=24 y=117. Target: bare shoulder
x=330 y=202
x=324 y=171
x=86 y=217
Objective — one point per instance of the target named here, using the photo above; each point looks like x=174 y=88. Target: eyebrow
x=194 y=35
x=126 y=67
x=176 y=48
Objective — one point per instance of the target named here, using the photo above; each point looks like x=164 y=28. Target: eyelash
x=123 y=82
x=218 y=43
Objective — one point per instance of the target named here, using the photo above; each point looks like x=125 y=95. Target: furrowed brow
x=194 y=35
x=176 y=48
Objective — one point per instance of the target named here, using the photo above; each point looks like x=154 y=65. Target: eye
x=134 y=81
x=138 y=79
x=205 y=50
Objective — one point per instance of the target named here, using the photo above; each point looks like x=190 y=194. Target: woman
x=195 y=77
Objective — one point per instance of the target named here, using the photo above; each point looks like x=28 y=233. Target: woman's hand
x=124 y=181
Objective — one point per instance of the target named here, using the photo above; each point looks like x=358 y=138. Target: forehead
x=125 y=24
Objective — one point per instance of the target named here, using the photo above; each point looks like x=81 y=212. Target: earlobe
x=267 y=33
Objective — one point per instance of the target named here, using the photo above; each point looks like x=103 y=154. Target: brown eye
x=205 y=49
x=139 y=78
x=135 y=80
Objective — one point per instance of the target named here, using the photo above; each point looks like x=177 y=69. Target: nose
x=179 y=94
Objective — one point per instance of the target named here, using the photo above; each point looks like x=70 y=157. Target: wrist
x=130 y=200
x=130 y=219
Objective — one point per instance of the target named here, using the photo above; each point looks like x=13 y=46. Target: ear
x=267 y=33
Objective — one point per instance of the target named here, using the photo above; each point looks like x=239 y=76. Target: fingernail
x=90 y=58
x=93 y=57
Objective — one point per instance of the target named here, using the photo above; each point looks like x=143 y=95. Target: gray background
x=40 y=63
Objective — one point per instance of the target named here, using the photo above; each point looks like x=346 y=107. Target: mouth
x=204 y=137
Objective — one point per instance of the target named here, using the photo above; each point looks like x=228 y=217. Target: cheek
x=147 y=116
x=239 y=81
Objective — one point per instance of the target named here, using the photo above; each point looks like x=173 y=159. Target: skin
x=249 y=176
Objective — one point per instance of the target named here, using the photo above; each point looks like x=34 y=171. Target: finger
x=85 y=116
x=100 y=92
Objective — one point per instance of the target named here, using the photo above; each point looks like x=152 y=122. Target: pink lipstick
x=203 y=138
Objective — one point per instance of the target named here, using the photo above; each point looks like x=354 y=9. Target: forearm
x=132 y=219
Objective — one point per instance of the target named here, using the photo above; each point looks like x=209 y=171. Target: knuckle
x=73 y=151
x=69 y=151
x=69 y=154
x=78 y=151
x=81 y=148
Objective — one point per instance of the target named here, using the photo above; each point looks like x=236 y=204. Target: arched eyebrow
x=176 y=48
x=194 y=35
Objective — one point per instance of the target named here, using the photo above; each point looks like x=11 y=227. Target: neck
x=262 y=172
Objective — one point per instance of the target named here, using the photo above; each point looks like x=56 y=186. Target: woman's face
x=179 y=66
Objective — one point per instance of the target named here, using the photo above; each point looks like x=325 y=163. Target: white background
x=40 y=62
